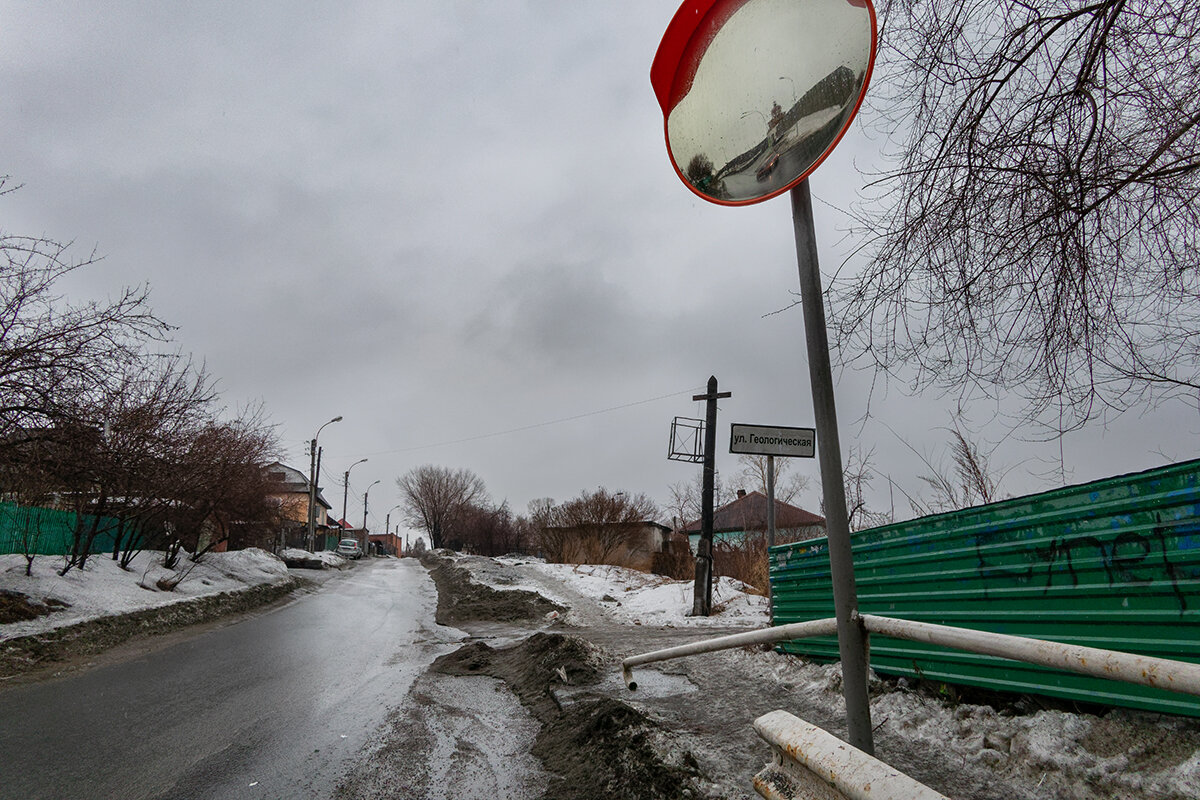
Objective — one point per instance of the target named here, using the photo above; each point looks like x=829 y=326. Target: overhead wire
x=533 y=426
x=335 y=480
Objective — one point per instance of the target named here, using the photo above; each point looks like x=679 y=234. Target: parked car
x=348 y=548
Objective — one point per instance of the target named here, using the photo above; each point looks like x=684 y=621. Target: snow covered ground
x=1045 y=753
x=638 y=597
x=102 y=588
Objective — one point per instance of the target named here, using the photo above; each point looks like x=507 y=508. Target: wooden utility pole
x=702 y=598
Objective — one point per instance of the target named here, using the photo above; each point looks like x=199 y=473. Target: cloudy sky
x=454 y=224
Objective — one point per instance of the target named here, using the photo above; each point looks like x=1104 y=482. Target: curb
x=36 y=651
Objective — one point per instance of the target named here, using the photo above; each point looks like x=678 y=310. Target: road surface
x=277 y=705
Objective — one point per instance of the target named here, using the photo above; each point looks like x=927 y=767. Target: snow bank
x=641 y=598
x=326 y=557
x=104 y=589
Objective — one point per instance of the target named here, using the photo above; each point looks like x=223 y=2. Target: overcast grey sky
x=445 y=220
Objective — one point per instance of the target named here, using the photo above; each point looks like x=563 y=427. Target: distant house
x=648 y=539
x=387 y=544
x=290 y=486
x=747 y=515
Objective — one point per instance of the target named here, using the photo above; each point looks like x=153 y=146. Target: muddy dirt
x=462 y=600
x=593 y=746
x=567 y=738
x=18 y=607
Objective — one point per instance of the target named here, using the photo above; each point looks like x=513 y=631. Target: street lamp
x=793 y=83
x=312 y=483
x=366 y=536
x=346 y=489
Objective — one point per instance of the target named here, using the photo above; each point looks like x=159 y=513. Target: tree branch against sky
x=54 y=354
x=435 y=498
x=1035 y=232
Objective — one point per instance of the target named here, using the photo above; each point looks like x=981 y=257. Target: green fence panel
x=1112 y=564
x=47 y=531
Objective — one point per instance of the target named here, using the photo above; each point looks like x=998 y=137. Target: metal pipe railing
x=797 y=630
x=1161 y=673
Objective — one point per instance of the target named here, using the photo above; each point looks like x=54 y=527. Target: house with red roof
x=747 y=516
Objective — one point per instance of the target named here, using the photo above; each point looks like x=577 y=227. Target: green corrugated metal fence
x=1112 y=564
x=47 y=531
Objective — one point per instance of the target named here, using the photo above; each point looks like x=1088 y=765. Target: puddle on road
x=651 y=685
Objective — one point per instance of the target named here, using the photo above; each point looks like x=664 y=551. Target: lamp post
x=366 y=537
x=312 y=483
x=793 y=83
x=346 y=490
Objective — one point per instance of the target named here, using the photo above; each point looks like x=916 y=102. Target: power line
x=533 y=426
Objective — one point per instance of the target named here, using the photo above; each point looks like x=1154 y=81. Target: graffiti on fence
x=1128 y=557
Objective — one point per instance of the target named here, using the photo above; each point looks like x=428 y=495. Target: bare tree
x=858 y=475
x=595 y=526
x=493 y=530
x=435 y=498
x=551 y=541
x=54 y=355
x=223 y=486
x=788 y=485
x=685 y=503
x=130 y=440
x=1038 y=230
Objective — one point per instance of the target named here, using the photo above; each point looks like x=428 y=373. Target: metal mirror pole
x=770 y=531
x=851 y=638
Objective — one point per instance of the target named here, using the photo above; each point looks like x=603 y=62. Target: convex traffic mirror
x=756 y=93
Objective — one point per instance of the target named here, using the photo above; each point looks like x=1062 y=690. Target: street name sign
x=762 y=440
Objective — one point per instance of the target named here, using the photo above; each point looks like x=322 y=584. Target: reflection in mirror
x=764 y=90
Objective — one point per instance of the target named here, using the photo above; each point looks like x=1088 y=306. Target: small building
x=386 y=544
x=747 y=516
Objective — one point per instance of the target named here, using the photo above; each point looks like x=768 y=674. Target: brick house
x=290 y=487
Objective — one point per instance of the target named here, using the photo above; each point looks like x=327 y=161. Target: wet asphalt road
x=278 y=705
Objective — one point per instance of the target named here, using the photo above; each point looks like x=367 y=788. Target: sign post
x=852 y=640
x=734 y=139
x=762 y=440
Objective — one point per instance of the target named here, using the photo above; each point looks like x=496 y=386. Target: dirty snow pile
x=326 y=557
x=102 y=588
x=639 y=598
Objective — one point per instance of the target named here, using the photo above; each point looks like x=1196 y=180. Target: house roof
x=648 y=523
x=749 y=513
x=293 y=481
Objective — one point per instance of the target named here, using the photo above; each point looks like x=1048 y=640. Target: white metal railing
x=807 y=758
x=1161 y=673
